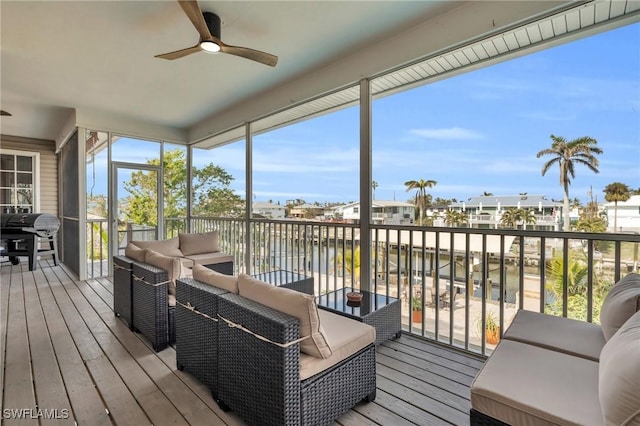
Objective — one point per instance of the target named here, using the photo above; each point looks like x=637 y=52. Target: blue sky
x=472 y=133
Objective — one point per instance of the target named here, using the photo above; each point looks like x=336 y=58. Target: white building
x=382 y=212
x=269 y=210
x=486 y=211
x=628 y=216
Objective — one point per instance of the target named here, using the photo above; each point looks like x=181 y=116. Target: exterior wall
x=628 y=218
x=48 y=184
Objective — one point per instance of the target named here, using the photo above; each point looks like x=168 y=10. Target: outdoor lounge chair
x=122 y=271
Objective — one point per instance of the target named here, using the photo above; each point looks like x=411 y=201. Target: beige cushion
x=199 y=243
x=134 y=252
x=619 y=385
x=521 y=384
x=170 y=264
x=345 y=337
x=622 y=301
x=210 y=258
x=578 y=338
x=299 y=305
x=216 y=279
x=167 y=247
x=186 y=263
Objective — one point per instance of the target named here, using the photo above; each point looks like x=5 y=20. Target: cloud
x=451 y=133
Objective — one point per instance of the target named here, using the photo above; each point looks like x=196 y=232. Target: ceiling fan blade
x=193 y=12
x=5 y=113
x=254 y=55
x=180 y=53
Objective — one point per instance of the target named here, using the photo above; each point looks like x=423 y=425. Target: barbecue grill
x=22 y=232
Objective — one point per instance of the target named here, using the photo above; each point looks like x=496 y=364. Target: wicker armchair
x=122 y=273
x=260 y=379
x=153 y=309
x=197 y=331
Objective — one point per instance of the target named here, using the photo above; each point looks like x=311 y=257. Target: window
x=18 y=179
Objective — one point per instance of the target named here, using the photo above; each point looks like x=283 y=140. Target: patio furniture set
x=259 y=343
x=553 y=370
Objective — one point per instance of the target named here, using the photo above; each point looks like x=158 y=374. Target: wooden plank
x=194 y=402
x=416 y=399
x=377 y=412
x=87 y=405
x=122 y=405
x=475 y=361
x=160 y=410
x=353 y=418
x=409 y=412
x=5 y=282
x=443 y=361
x=18 y=377
x=51 y=394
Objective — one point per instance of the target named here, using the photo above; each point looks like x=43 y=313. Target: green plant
x=416 y=304
x=491 y=324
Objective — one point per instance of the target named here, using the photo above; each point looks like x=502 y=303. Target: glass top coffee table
x=379 y=311
x=287 y=279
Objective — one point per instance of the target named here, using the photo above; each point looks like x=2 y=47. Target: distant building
x=268 y=210
x=486 y=211
x=382 y=213
x=628 y=215
x=306 y=211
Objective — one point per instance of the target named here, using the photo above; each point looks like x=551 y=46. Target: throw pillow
x=199 y=243
x=169 y=264
x=619 y=375
x=622 y=301
x=216 y=279
x=300 y=305
x=134 y=252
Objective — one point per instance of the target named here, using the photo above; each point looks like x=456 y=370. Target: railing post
x=365 y=185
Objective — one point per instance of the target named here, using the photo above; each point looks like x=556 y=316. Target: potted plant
x=491 y=328
x=416 y=310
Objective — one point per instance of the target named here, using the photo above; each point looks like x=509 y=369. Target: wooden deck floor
x=64 y=354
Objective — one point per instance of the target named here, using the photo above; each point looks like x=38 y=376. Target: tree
x=421 y=186
x=487 y=194
x=211 y=193
x=455 y=218
x=374 y=186
x=509 y=218
x=615 y=192
x=567 y=154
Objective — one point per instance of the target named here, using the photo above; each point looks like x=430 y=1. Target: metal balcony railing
x=452 y=282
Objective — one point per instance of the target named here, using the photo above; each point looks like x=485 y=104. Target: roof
x=266 y=205
x=506 y=201
x=382 y=203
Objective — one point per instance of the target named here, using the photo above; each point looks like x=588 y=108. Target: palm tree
x=421 y=186
x=455 y=218
x=567 y=154
x=615 y=192
x=509 y=218
x=527 y=217
x=374 y=185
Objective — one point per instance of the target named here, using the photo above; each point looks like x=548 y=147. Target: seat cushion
x=622 y=301
x=216 y=279
x=170 y=247
x=300 y=305
x=170 y=264
x=210 y=258
x=345 y=337
x=619 y=385
x=578 y=338
x=199 y=243
x=134 y=252
x=522 y=384
x=186 y=263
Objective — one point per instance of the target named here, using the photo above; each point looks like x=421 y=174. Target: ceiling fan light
x=209 y=46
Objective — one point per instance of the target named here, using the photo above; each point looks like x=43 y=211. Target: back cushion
x=619 y=375
x=199 y=243
x=622 y=301
x=170 y=264
x=216 y=279
x=134 y=252
x=299 y=305
x=167 y=247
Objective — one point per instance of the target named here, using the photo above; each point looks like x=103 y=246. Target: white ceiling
x=91 y=63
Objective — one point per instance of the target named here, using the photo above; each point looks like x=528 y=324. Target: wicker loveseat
x=550 y=370
x=275 y=359
x=144 y=281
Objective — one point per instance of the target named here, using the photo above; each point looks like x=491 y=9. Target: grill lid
x=35 y=221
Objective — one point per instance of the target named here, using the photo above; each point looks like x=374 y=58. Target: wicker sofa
x=144 y=281
x=275 y=358
x=550 y=370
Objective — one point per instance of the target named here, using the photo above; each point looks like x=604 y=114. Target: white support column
x=249 y=191
x=365 y=186
x=189 y=212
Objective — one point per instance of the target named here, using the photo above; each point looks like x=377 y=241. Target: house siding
x=48 y=185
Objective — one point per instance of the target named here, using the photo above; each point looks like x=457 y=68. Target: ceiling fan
x=208 y=26
x=3 y=113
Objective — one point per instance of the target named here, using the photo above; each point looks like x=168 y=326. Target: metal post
x=365 y=185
